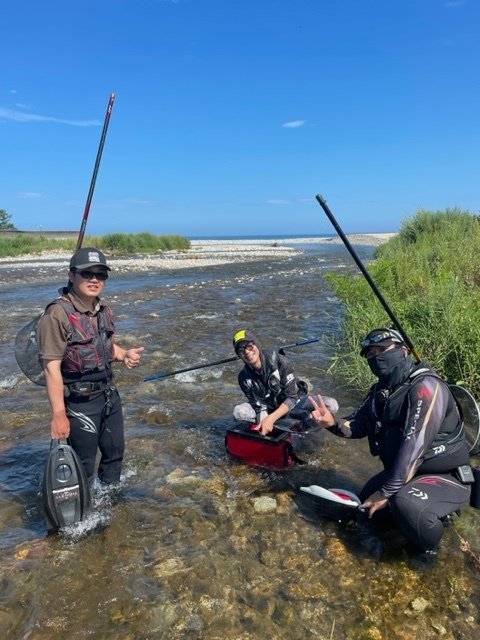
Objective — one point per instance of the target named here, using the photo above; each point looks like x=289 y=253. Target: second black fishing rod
x=323 y=203
x=161 y=376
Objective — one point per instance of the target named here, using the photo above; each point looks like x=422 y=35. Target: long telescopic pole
x=323 y=203
x=95 y=171
x=160 y=376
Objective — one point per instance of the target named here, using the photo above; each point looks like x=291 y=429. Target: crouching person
x=413 y=425
x=270 y=385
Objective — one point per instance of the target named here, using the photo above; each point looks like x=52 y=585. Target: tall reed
x=430 y=276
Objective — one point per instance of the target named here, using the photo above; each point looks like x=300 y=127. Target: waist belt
x=87 y=387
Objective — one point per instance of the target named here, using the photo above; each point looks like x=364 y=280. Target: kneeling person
x=413 y=425
x=268 y=382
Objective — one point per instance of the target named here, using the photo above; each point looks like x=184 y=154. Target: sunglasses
x=380 y=337
x=90 y=275
x=374 y=350
x=247 y=347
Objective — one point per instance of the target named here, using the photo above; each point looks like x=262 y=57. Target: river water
x=184 y=549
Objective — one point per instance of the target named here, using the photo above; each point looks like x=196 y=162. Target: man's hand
x=266 y=425
x=59 y=426
x=322 y=416
x=133 y=356
x=375 y=502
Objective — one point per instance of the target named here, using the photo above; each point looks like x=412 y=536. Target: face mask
x=383 y=364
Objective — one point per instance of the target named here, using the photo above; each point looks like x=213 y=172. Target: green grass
x=114 y=244
x=430 y=275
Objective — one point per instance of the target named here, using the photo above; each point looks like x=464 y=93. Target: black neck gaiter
x=391 y=367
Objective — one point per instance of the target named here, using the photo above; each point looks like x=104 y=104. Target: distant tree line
x=6 y=221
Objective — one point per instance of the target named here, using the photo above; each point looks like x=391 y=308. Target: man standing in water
x=77 y=348
x=270 y=385
x=412 y=423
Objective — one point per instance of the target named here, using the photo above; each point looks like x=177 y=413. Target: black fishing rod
x=323 y=203
x=470 y=409
x=26 y=350
x=95 y=171
x=160 y=376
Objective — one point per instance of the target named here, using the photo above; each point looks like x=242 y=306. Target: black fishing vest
x=392 y=414
x=266 y=385
x=90 y=349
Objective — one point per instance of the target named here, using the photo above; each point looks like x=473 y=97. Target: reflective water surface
x=186 y=549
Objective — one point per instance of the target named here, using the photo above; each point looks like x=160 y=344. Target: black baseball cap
x=86 y=258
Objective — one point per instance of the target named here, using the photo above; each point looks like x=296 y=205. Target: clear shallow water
x=181 y=552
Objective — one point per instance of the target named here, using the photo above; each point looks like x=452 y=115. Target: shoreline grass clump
x=116 y=244
x=430 y=276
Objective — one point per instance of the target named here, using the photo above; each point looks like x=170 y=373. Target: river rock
x=264 y=504
x=419 y=604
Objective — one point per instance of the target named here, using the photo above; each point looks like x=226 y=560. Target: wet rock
x=169 y=567
x=284 y=613
x=261 y=601
x=193 y=623
x=156 y=414
x=178 y=477
x=371 y=633
x=419 y=604
x=215 y=485
x=335 y=549
x=439 y=628
x=264 y=504
x=284 y=502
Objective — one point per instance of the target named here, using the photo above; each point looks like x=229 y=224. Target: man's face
x=88 y=283
x=377 y=349
x=250 y=354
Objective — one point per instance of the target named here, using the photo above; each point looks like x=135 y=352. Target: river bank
x=202 y=253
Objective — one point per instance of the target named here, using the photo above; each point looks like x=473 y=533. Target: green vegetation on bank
x=430 y=276
x=113 y=244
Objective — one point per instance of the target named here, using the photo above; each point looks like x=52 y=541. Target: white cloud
x=294 y=124
x=138 y=201
x=29 y=195
x=20 y=116
x=305 y=199
x=277 y=201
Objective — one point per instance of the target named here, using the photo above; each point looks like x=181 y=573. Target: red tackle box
x=245 y=443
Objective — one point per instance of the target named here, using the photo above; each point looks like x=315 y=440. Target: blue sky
x=231 y=115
